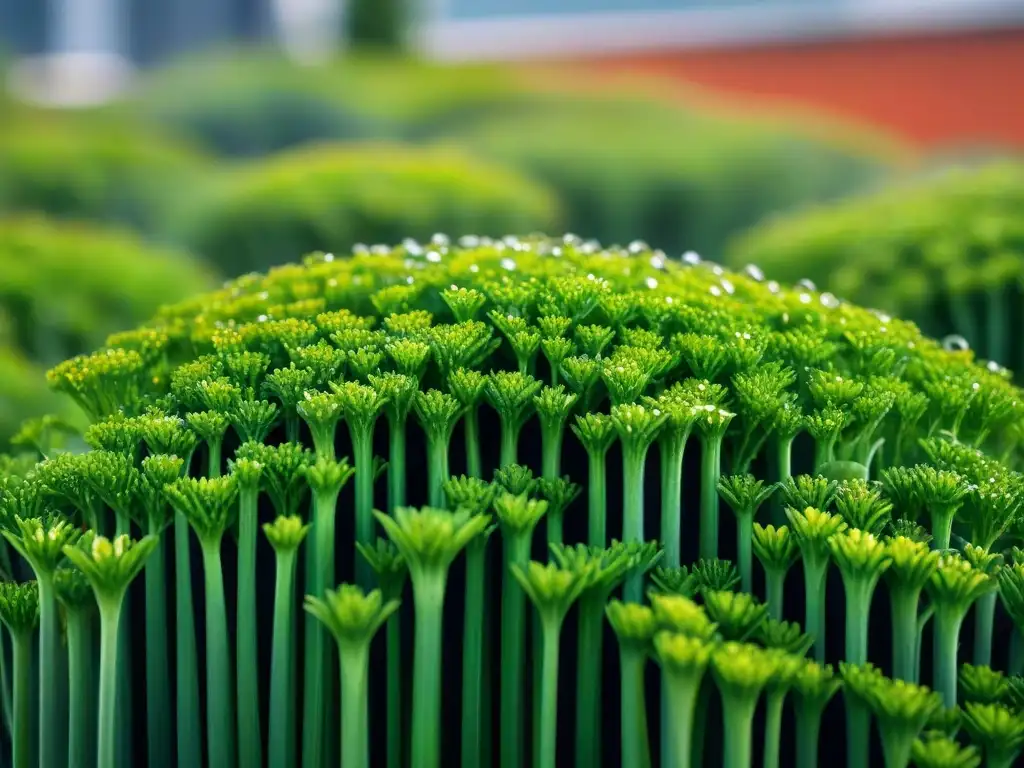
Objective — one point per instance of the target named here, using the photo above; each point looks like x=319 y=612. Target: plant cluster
x=380 y=417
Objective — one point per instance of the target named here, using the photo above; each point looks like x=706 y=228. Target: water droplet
x=262 y=319
x=993 y=366
x=805 y=298
x=474 y=268
x=361 y=249
x=651 y=283
x=570 y=239
x=590 y=247
x=433 y=257
x=658 y=261
x=439 y=239
x=955 y=343
x=714 y=290
x=829 y=300
x=754 y=272
x=728 y=287
x=807 y=284
x=380 y=250
x=469 y=241
x=692 y=258
x=328 y=257
x=412 y=247
x=508 y=264
x=410 y=280
x=773 y=286
x=638 y=246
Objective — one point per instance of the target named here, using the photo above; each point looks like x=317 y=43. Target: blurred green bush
x=66 y=286
x=330 y=197
x=684 y=180
x=24 y=394
x=945 y=249
x=92 y=166
x=249 y=103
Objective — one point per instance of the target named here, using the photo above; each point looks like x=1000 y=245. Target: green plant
x=262 y=214
x=19 y=611
x=93 y=167
x=939 y=250
x=194 y=431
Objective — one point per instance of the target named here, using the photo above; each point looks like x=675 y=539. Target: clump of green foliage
x=900 y=477
x=942 y=250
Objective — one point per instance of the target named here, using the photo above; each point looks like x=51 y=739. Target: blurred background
x=150 y=149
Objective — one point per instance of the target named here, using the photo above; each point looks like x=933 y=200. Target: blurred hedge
x=946 y=250
x=66 y=286
x=684 y=180
x=331 y=197
x=24 y=394
x=92 y=167
x=249 y=103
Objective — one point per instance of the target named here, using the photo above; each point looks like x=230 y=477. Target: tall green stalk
x=210 y=508
x=189 y=735
x=517 y=516
x=438 y=413
x=638 y=427
x=429 y=539
x=473 y=648
x=712 y=423
x=596 y=432
x=19 y=611
x=76 y=596
x=110 y=567
x=911 y=566
x=683 y=662
x=41 y=543
x=552 y=590
x=353 y=618
x=812 y=529
x=250 y=748
x=326 y=479
x=285 y=536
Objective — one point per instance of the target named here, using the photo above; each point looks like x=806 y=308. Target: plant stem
x=588 y=679
x=681 y=695
x=509 y=444
x=437 y=469
x=942 y=525
x=21 y=735
x=808 y=726
x=106 y=730
x=213 y=460
x=858 y=614
x=5 y=688
x=396 y=467
x=250 y=750
x=671 y=498
x=775 y=582
x=710 y=470
x=473 y=468
x=319 y=662
x=282 y=711
x=773 y=727
x=744 y=538
x=125 y=709
x=633 y=711
x=858 y=732
x=394 y=685
x=82 y=688
x=551 y=631
x=472 y=650
x=187 y=675
x=783 y=471
x=946 y=640
x=1016 y=665
x=49 y=647
x=158 y=675
x=551 y=453
x=815 y=573
x=513 y=625
x=984 y=620
x=633 y=515
x=426 y=685
x=362 y=448
x=219 y=716
x=903 y=602
x=738 y=720
x=596 y=501
x=355 y=727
